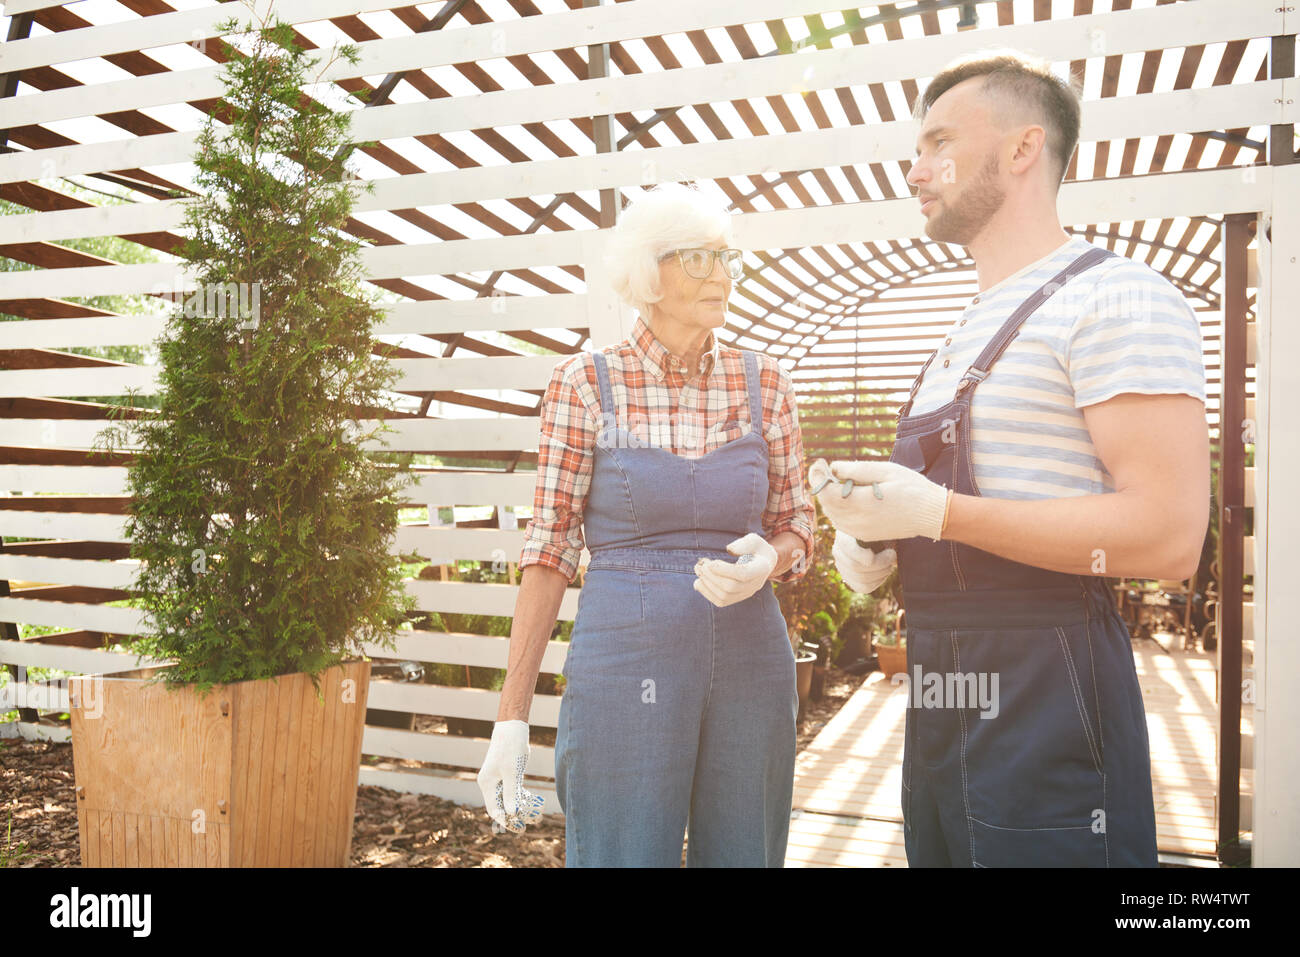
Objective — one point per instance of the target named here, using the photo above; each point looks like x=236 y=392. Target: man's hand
x=725 y=583
x=884 y=500
x=862 y=569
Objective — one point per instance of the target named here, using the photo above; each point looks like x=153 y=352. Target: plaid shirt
x=663 y=407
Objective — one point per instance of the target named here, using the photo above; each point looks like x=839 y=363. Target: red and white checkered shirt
x=664 y=408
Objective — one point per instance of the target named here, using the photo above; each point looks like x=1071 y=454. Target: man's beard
x=960 y=220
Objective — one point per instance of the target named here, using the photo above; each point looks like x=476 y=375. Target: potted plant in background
x=890 y=642
x=820 y=640
x=261 y=522
x=820 y=591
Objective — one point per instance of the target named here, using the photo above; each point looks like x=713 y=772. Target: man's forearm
x=1121 y=534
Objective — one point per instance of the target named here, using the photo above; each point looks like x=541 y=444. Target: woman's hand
x=725 y=583
x=511 y=806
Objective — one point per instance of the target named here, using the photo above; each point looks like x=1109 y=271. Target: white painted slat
x=61 y=333
x=124 y=280
x=57 y=224
x=164 y=29
x=466 y=255
x=55 y=433
x=1164 y=195
x=453 y=44
x=441 y=435
x=67 y=571
x=454 y=702
x=469 y=488
x=30 y=731
x=1250 y=487
x=1159 y=196
x=95 y=528
x=462 y=790
x=1208 y=21
x=458 y=648
x=33 y=164
x=84 y=661
x=463 y=597
x=88 y=381
x=378 y=56
x=562 y=310
x=1109 y=119
x=447 y=435
x=71 y=615
x=442 y=596
x=1252 y=345
x=555 y=311
x=474 y=598
x=15 y=7
x=437 y=544
x=450 y=45
x=74 y=479
x=408 y=260
x=1248 y=555
x=490 y=372
x=442 y=546
x=446 y=749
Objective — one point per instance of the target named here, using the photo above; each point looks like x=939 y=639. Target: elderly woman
x=677 y=461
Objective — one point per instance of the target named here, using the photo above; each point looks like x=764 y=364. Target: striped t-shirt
x=1117 y=327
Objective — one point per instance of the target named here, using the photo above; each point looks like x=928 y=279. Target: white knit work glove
x=862 y=569
x=511 y=806
x=885 y=500
x=725 y=583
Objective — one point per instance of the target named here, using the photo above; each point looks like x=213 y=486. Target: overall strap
x=916 y=385
x=979 y=369
x=602 y=378
x=754 y=387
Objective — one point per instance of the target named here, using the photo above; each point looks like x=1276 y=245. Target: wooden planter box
x=252 y=774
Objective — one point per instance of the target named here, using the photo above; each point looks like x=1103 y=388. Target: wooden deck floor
x=847 y=781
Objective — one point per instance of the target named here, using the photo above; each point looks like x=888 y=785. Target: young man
x=1056 y=437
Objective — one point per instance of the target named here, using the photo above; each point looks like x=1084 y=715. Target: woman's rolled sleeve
x=789 y=506
x=553 y=536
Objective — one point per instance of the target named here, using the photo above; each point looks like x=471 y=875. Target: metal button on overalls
x=676 y=714
x=1026 y=738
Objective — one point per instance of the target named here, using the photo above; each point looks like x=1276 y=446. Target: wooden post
x=1232 y=514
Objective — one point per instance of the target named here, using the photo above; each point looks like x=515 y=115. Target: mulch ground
x=38 y=814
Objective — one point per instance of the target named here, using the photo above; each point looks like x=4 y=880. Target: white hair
x=670 y=216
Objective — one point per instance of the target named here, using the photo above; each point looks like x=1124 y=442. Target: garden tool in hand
x=879 y=502
x=725 y=583
x=511 y=806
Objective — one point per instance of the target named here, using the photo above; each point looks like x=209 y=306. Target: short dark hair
x=1023 y=79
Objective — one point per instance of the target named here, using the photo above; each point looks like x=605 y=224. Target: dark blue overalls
x=1051 y=767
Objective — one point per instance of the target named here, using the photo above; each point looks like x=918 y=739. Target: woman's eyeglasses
x=698 y=263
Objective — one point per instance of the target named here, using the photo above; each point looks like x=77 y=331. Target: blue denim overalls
x=674 y=710
x=1051 y=766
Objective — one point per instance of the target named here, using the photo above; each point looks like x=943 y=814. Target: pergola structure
x=506 y=131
